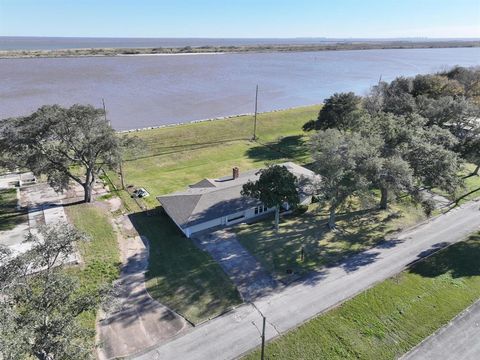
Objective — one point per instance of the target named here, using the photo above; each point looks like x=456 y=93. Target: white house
x=218 y=202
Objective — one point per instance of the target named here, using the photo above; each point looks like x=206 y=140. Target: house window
x=260 y=209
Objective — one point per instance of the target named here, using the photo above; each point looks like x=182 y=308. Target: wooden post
x=255 y=116
x=122 y=179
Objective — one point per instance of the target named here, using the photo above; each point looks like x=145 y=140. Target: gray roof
x=213 y=198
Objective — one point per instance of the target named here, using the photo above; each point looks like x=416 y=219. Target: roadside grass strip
x=392 y=317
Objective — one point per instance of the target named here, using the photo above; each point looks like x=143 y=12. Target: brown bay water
x=143 y=91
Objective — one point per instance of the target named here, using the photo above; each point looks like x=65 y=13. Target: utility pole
x=255 y=116
x=263 y=337
x=105 y=111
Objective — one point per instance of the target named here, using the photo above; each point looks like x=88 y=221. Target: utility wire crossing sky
x=241 y=18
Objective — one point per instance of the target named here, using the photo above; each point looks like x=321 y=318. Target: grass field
x=182 y=277
x=100 y=254
x=9 y=215
x=175 y=157
x=357 y=231
x=389 y=319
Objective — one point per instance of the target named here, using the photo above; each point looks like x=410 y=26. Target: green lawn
x=472 y=186
x=100 y=254
x=9 y=215
x=175 y=157
x=181 y=276
x=357 y=231
x=470 y=190
x=392 y=317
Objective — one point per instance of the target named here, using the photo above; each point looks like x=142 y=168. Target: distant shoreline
x=188 y=50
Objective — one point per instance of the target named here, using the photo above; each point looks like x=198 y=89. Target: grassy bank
x=359 y=230
x=392 y=317
x=9 y=215
x=100 y=254
x=175 y=157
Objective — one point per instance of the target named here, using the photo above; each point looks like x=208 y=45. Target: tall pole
x=104 y=109
x=255 y=116
x=263 y=338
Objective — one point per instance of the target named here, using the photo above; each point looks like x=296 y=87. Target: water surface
x=142 y=91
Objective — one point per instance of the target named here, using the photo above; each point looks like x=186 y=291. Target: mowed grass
x=181 y=276
x=470 y=189
x=472 y=186
x=389 y=319
x=9 y=215
x=100 y=253
x=357 y=231
x=175 y=157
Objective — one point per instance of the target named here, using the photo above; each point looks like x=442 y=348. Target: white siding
x=203 y=226
x=238 y=218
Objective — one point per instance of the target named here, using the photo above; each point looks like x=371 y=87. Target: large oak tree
x=63 y=144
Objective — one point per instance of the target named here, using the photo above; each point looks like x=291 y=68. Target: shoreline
x=214 y=50
x=220 y=118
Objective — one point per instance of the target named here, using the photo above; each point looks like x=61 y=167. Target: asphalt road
x=459 y=340
x=237 y=332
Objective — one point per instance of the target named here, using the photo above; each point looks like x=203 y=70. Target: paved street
x=235 y=333
x=459 y=340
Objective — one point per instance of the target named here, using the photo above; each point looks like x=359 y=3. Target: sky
x=241 y=18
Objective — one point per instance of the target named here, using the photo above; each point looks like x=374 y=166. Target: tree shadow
x=459 y=260
x=291 y=147
x=180 y=275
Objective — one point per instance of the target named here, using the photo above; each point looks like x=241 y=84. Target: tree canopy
x=275 y=186
x=40 y=301
x=340 y=111
x=64 y=144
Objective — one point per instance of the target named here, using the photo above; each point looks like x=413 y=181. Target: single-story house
x=218 y=202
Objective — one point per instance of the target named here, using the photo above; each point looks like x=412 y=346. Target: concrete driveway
x=459 y=340
x=237 y=332
x=141 y=321
x=251 y=280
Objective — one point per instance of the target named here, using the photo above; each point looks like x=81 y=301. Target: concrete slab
x=246 y=272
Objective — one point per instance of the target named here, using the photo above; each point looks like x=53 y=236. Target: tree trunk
x=277 y=217
x=331 y=219
x=87 y=187
x=384 y=198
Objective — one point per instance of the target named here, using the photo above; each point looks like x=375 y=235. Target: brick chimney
x=235 y=173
